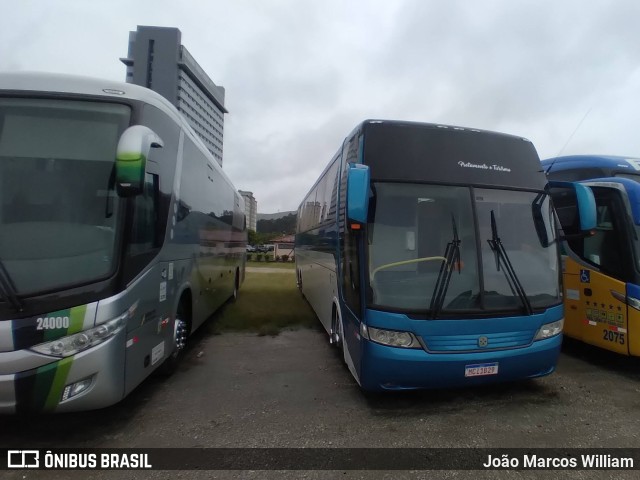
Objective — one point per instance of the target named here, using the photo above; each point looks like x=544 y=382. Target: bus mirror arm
x=576 y=236
x=131 y=158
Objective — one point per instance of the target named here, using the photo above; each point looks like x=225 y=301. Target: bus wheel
x=180 y=334
x=236 y=286
x=299 y=282
x=337 y=334
x=335 y=338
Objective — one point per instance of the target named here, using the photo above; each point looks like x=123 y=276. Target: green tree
x=253 y=237
x=285 y=225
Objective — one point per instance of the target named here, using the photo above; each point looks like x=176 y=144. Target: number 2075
x=615 y=337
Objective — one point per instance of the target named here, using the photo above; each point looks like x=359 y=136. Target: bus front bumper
x=391 y=368
x=98 y=371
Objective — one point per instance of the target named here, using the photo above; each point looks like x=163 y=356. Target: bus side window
x=162 y=161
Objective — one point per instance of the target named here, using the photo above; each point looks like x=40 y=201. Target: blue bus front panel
x=452 y=355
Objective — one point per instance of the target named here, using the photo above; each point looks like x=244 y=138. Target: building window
x=150 y=63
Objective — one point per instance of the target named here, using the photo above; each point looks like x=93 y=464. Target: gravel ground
x=292 y=390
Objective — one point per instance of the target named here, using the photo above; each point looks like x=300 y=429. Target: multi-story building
x=250 y=209
x=157 y=60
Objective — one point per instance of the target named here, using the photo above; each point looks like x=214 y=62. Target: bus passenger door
x=357 y=203
x=352 y=296
x=595 y=274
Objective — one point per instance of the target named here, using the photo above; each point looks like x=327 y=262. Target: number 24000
x=51 y=323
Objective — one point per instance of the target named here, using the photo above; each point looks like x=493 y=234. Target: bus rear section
x=447 y=267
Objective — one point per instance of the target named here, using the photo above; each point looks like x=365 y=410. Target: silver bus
x=119 y=236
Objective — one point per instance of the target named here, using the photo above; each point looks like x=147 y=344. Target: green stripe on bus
x=58 y=384
x=42 y=385
x=76 y=321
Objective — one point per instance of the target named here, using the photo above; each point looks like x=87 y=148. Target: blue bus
x=429 y=254
x=119 y=236
x=602 y=270
x=572 y=168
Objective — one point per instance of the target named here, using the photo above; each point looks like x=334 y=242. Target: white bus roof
x=56 y=83
x=39 y=82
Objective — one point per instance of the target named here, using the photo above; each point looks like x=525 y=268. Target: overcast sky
x=299 y=75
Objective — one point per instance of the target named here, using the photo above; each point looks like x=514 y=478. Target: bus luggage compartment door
x=595 y=308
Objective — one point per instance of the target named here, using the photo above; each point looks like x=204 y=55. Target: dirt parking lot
x=292 y=391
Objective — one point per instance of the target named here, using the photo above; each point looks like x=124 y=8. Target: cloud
x=299 y=75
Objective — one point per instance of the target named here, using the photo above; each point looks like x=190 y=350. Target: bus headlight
x=76 y=388
x=72 y=344
x=549 y=330
x=393 y=338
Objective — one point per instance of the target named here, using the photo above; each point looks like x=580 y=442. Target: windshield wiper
x=452 y=255
x=512 y=278
x=8 y=289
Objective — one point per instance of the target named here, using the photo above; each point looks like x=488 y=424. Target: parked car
x=251 y=249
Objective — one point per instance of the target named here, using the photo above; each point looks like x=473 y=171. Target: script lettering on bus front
x=484 y=166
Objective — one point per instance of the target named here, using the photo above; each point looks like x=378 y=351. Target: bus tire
x=337 y=335
x=180 y=335
x=236 y=287
x=299 y=282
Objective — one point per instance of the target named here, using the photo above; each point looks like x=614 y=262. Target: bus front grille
x=477 y=342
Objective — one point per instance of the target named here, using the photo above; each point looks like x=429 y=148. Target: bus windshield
x=58 y=209
x=413 y=225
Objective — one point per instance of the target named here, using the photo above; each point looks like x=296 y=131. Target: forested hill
x=273 y=216
x=282 y=226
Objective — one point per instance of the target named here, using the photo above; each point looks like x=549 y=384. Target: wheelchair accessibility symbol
x=585 y=276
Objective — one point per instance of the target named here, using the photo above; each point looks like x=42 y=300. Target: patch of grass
x=282 y=265
x=267 y=303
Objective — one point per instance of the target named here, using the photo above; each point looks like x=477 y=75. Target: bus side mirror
x=575 y=206
x=586 y=207
x=131 y=158
x=358 y=177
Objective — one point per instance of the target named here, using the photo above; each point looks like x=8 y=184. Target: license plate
x=481 y=369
